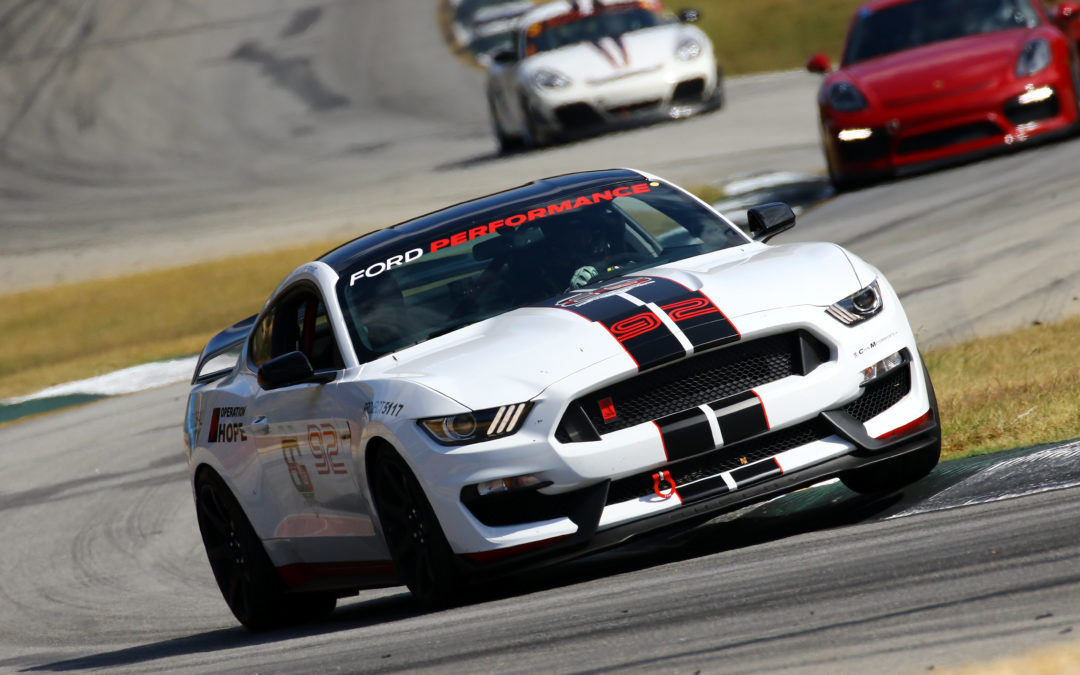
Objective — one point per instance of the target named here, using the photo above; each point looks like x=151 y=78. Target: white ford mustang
x=536 y=375
x=579 y=66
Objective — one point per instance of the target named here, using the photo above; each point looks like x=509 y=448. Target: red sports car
x=925 y=80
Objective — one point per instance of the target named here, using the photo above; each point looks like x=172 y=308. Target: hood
x=609 y=58
x=940 y=70
x=515 y=356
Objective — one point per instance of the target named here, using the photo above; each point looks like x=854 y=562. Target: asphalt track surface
x=135 y=133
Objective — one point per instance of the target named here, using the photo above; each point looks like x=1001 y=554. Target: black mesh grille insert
x=689 y=91
x=946 y=137
x=697 y=380
x=724 y=459
x=881 y=395
x=577 y=115
x=1032 y=112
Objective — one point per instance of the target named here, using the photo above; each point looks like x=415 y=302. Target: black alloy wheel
x=250 y=584
x=421 y=554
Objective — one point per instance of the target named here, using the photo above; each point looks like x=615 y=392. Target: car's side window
x=297 y=322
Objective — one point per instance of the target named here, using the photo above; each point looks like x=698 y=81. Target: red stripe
x=764 y=412
x=612 y=334
x=914 y=424
x=738 y=333
x=662 y=444
x=609 y=57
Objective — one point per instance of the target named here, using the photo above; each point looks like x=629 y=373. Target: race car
x=533 y=376
x=922 y=81
x=580 y=66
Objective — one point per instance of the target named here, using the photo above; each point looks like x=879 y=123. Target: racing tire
x=1075 y=68
x=719 y=97
x=843 y=183
x=535 y=136
x=898 y=472
x=421 y=554
x=248 y=581
x=893 y=474
x=507 y=143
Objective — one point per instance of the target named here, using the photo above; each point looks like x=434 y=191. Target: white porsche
x=578 y=66
x=533 y=376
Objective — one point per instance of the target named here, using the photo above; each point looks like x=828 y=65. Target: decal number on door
x=326 y=449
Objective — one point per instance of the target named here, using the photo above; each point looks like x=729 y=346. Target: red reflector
x=607 y=409
x=907 y=427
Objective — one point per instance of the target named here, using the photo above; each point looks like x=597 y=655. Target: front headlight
x=688 y=50
x=1034 y=57
x=844 y=97
x=473 y=427
x=857 y=307
x=549 y=79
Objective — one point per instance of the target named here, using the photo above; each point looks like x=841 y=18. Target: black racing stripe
x=758 y=471
x=686 y=434
x=703 y=323
x=637 y=328
x=740 y=417
x=645 y=336
x=706 y=487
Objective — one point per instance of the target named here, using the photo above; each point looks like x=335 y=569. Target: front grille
x=946 y=137
x=881 y=395
x=577 y=116
x=635 y=108
x=721 y=460
x=876 y=399
x=702 y=379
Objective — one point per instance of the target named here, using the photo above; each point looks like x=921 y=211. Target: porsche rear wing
x=220 y=354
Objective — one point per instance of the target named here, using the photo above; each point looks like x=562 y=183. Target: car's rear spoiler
x=222 y=351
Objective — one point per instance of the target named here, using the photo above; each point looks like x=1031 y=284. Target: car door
x=304 y=437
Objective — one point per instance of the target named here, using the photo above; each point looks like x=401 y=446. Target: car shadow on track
x=814 y=509
x=379 y=611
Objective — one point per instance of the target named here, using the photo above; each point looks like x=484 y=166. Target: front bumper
x=791 y=415
x=586 y=508
x=670 y=91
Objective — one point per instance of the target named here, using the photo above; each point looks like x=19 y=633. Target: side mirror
x=819 y=64
x=503 y=56
x=768 y=220
x=1067 y=11
x=289 y=369
x=689 y=15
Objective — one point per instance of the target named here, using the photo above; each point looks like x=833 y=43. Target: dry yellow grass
x=1053 y=660
x=75 y=331
x=1016 y=389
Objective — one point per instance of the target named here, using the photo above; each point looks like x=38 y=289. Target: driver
x=573 y=248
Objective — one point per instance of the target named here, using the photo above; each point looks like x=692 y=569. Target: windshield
x=432 y=285
x=574 y=27
x=924 y=22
